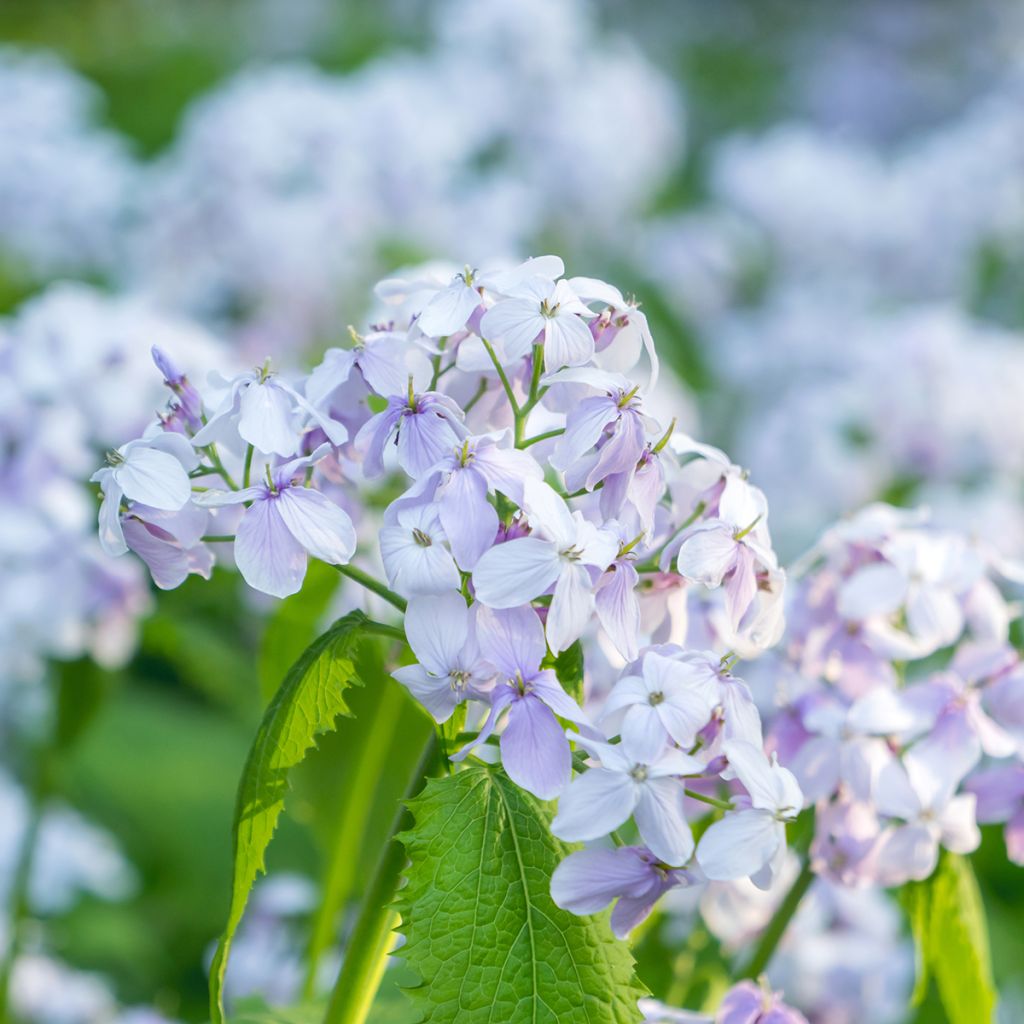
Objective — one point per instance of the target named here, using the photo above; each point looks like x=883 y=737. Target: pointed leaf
x=480 y=924
x=951 y=938
x=308 y=702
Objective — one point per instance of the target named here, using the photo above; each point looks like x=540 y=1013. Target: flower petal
x=319 y=525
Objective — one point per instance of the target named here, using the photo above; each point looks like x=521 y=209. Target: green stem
x=370 y=942
x=218 y=538
x=722 y=805
x=537 y=438
x=778 y=924
x=349 y=829
x=247 y=470
x=20 y=905
x=382 y=629
x=218 y=467
x=503 y=377
x=364 y=579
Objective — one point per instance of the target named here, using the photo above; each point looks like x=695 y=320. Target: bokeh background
x=819 y=204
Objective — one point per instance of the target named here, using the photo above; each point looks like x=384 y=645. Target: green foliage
x=482 y=930
x=311 y=697
x=568 y=667
x=951 y=937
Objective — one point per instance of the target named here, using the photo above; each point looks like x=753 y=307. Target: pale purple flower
x=610 y=421
x=921 y=795
x=415 y=553
x=730 y=549
x=557 y=554
x=671 y=701
x=379 y=357
x=170 y=543
x=534 y=750
x=187 y=406
x=618 y=607
x=541 y=311
x=603 y=798
x=752 y=842
x=460 y=484
x=285 y=522
x=999 y=793
x=153 y=471
x=633 y=495
x=422 y=428
x=265 y=411
x=588 y=880
x=442 y=634
x=747 y=1003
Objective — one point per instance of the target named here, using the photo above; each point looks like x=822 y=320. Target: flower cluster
x=542 y=505
x=898 y=681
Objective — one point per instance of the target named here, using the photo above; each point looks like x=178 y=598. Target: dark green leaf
x=482 y=930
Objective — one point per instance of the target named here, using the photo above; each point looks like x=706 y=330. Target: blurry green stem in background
x=349 y=831
x=20 y=897
x=778 y=924
x=368 y=947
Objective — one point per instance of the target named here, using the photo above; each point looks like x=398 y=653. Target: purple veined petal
x=959 y=825
x=437 y=628
x=594 y=804
x=876 y=589
x=517 y=323
x=218 y=499
x=588 y=880
x=740 y=503
x=548 y=513
x=469 y=520
x=632 y=911
x=741 y=587
x=434 y=693
x=267 y=418
x=755 y=771
x=175 y=444
x=501 y=698
x=567 y=342
x=618 y=608
x=738 y=845
x=333 y=371
x=511 y=639
x=643 y=733
x=449 y=309
x=515 y=572
x=674 y=763
x=153 y=477
x=938 y=762
x=906 y=852
x=337 y=433
x=548 y=268
x=627 y=691
x=662 y=824
x=374 y=434
x=169 y=564
x=424 y=439
x=611 y=756
x=934 y=614
x=598 y=547
x=384 y=366
x=187 y=525
x=415 y=569
x=506 y=469
x=269 y=558
x=707 y=553
x=111 y=532
x=534 y=749
x=548 y=689
x=583 y=429
x=742 y=719
x=571 y=607
x=319 y=525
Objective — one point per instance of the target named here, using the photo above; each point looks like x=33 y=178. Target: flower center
x=638 y=773
x=457 y=679
x=654 y=699
x=421 y=538
x=548 y=310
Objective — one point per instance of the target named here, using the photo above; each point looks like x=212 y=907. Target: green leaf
x=947 y=919
x=482 y=930
x=569 y=669
x=308 y=702
x=294 y=625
